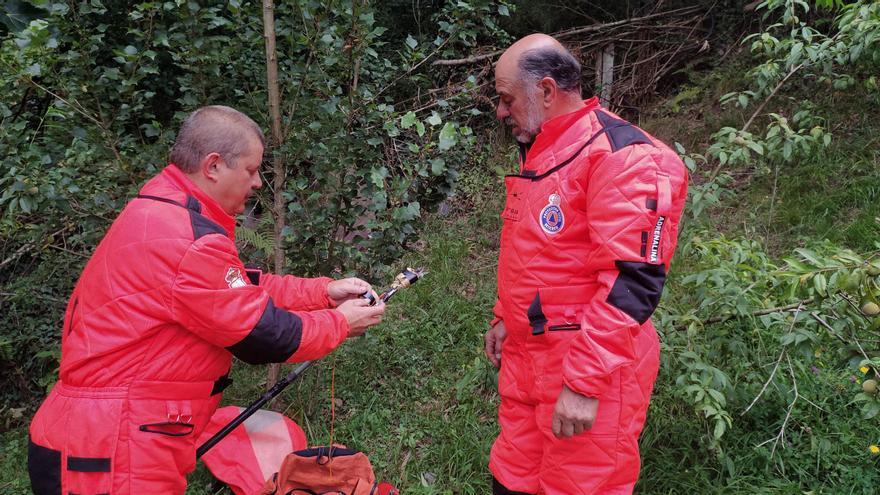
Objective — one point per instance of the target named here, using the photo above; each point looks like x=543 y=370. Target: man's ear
x=210 y=165
x=548 y=91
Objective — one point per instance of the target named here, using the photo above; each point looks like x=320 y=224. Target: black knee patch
x=44 y=468
x=499 y=489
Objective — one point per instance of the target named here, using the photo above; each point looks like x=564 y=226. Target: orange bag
x=323 y=470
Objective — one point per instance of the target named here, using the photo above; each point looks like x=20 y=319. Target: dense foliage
x=779 y=357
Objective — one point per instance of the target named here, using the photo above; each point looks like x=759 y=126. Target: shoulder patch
x=234 y=278
x=620 y=132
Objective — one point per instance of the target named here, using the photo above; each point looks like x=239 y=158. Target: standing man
x=590 y=226
x=157 y=314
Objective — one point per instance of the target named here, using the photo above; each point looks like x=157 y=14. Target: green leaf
x=434 y=119
x=438 y=166
x=448 y=137
x=411 y=42
x=720 y=428
x=503 y=10
x=25 y=204
x=786 y=150
x=378 y=175
x=809 y=256
x=718 y=396
x=820 y=284
x=756 y=147
x=408 y=120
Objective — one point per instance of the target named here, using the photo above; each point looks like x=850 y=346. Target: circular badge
x=552 y=219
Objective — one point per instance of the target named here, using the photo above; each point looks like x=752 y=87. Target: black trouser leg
x=499 y=489
x=44 y=468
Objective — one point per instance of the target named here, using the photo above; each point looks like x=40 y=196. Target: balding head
x=214 y=129
x=537 y=79
x=538 y=56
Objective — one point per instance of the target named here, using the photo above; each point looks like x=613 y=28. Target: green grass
x=416 y=394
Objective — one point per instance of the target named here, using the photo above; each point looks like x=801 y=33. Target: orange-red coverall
x=590 y=226
x=148 y=338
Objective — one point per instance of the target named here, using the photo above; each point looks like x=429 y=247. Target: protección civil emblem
x=552 y=219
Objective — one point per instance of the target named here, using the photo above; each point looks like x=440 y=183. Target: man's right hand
x=494 y=339
x=360 y=315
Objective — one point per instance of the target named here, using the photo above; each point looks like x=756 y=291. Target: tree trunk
x=278 y=159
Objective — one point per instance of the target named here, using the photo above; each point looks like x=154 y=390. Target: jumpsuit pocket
x=559 y=309
x=162 y=442
x=168 y=428
x=88 y=475
x=90 y=445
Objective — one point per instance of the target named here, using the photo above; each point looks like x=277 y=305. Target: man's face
x=237 y=181
x=518 y=104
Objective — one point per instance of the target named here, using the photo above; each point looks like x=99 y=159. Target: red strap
x=664 y=195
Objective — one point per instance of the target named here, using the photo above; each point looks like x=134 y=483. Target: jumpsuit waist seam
x=142 y=389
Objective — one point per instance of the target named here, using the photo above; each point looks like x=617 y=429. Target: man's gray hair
x=214 y=129
x=556 y=63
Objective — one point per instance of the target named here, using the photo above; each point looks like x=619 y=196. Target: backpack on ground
x=326 y=470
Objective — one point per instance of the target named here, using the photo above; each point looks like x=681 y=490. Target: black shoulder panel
x=273 y=340
x=620 y=132
x=637 y=289
x=253 y=274
x=201 y=224
x=193 y=204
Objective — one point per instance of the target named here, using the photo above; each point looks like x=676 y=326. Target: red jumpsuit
x=590 y=226
x=148 y=338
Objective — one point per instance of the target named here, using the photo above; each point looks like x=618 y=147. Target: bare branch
x=592 y=28
x=782 y=354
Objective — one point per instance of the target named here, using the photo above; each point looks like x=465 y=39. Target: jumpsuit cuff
x=592 y=386
x=496 y=312
x=320 y=287
x=323 y=331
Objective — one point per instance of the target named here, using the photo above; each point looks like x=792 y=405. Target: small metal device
x=403 y=280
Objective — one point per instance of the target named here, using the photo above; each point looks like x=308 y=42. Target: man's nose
x=258 y=182
x=502 y=112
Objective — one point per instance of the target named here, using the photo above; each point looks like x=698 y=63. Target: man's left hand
x=574 y=413
x=342 y=290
